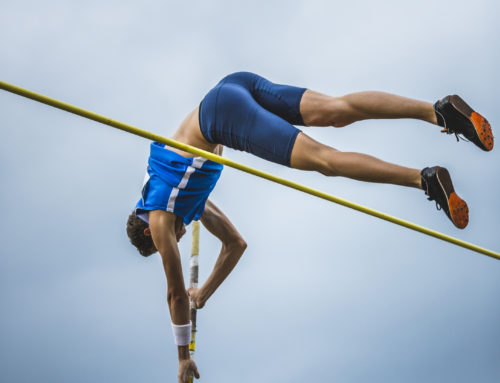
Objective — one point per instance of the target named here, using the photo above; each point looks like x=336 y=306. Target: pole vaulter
x=247 y=112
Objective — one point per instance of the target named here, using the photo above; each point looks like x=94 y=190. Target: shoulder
x=161 y=218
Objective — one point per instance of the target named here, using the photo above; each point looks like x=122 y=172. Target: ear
x=147 y=232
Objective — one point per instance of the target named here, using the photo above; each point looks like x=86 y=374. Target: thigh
x=271 y=137
x=281 y=100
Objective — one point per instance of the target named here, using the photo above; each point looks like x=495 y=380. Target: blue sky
x=323 y=292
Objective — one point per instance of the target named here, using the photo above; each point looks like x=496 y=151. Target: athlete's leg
x=257 y=116
x=308 y=154
x=321 y=110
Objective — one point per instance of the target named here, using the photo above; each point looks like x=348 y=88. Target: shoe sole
x=459 y=211
x=481 y=125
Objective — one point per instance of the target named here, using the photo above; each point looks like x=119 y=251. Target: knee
x=177 y=297
x=336 y=112
x=311 y=155
x=327 y=162
x=344 y=114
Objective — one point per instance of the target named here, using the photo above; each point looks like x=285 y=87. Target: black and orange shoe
x=436 y=182
x=455 y=116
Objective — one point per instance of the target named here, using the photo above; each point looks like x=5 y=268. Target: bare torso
x=189 y=133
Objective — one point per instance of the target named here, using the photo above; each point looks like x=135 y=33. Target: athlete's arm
x=232 y=249
x=162 y=226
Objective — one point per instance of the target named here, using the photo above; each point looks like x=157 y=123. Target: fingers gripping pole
x=244 y=168
x=193 y=283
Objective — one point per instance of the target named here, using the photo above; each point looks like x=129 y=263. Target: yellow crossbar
x=244 y=168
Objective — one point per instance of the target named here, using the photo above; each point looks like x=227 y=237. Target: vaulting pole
x=193 y=283
x=213 y=157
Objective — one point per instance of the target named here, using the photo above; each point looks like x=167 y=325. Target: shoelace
x=438 y=206
x=457 y=135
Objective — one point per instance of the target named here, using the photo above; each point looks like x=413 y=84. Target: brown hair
x=135 y=231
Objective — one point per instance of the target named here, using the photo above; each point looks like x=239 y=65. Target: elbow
x=239 y=245
x=177 y=298
x=242 y=244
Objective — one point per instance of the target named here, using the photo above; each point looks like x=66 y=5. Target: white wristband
x=182 y=334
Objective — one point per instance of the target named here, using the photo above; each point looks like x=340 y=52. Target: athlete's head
x=140 y=235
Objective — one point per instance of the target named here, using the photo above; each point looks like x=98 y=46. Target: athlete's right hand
x=187 y=369
x=194 y=295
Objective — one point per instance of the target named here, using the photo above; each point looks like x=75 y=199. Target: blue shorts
x=247 y=112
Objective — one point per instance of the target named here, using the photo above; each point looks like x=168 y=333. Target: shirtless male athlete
x=247 y=112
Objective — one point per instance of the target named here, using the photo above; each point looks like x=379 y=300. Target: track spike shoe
x=456 y=117
x=436 y=182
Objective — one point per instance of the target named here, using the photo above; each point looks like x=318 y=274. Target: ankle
x=431 y=115
x=418 y=181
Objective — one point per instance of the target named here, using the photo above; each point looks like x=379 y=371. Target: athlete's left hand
x=194 y=295
x=187 y=369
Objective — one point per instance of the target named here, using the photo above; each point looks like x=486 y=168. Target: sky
x=323 y=293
